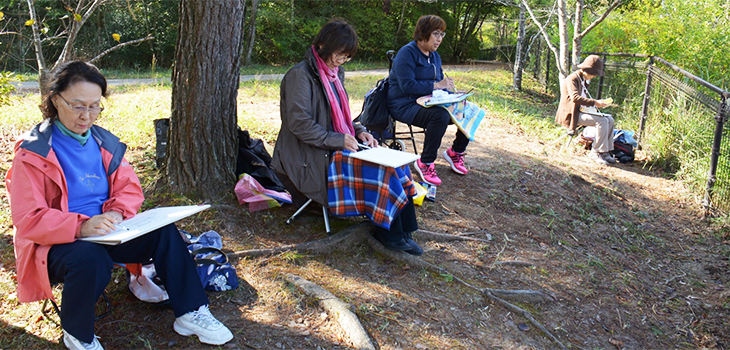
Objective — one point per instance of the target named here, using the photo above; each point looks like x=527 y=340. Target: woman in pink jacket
x=70 y=180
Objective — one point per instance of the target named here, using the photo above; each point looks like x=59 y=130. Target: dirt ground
x=625 y=252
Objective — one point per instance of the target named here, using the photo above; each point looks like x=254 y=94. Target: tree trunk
x=202 y=146
x=252 y=30
x=564 y=53
x=519 y=52
x=577 y=29
x=43 y=72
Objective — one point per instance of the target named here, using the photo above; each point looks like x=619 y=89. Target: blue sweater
x=412 y=76
x=86 y=181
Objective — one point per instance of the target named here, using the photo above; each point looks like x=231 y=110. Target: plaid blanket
x=356 y=187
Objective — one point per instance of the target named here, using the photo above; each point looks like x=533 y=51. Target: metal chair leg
x=413 y=139
x=326 y=220
x=299 y=211
x=58 y=311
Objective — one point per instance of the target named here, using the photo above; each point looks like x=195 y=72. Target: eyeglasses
x=345 y=57
x=439 y=34
x=96 y=110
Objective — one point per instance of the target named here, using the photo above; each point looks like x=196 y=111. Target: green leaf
x=77 y=17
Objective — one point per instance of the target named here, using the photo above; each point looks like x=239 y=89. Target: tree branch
x=546 y=36
x=119 y=46
x=75 y=28
x=598 y=21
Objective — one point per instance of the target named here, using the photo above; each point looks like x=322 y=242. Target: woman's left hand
x=368 y=139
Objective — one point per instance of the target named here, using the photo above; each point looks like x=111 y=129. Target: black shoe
x=415 y=248
x=400 y=244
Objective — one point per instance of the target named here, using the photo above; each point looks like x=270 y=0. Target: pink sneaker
x=427 y=173
x=456 y=160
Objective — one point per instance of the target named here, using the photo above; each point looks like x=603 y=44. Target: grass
x=161 y=73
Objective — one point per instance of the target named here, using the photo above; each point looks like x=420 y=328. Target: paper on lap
x=146 y=222
x=385 y=156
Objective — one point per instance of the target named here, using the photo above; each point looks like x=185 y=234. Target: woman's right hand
x=600 y=104
x=98 y=225
x=447 y=83
x=351 y=143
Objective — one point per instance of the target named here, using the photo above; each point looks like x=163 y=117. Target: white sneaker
x=202 y=323
x=74 y=344
x=607 y=156
x=596 y=157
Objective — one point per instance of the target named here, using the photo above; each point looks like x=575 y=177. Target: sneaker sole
x=448 y=159
x=184 y=331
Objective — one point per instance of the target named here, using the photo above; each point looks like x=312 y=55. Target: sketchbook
x=386 y=157
x=145 y=222
x=442 y=99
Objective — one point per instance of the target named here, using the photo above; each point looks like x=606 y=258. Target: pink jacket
x=39 y=202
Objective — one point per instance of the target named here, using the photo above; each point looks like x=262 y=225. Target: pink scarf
x=341 y=120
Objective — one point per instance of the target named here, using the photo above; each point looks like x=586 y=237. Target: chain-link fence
x=678 y=117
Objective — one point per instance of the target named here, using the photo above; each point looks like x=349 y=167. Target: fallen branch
x=338 y=310
x=518 y=310
x=497 y=295
x=515 y=263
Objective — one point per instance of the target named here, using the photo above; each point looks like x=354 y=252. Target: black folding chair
x=391 y=137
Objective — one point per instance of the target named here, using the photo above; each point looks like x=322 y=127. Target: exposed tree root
x=445 y=237
x=361 y=233
x=338 y=310
x=353 y=235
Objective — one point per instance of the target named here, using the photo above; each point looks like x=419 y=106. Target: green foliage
x=691 y=34
x=5 y=87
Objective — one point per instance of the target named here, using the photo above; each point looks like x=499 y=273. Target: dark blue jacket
x=412 y=76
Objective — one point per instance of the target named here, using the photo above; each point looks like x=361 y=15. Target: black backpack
x=253 y=159
x=375 y=115
x=623 y=152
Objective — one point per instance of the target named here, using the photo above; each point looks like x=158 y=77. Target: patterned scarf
x=341 y=120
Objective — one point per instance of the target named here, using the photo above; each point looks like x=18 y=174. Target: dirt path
x=624 y=251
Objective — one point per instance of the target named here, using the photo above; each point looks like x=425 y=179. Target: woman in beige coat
x=573 y=95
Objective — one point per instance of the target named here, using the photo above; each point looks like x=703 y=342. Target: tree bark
x=252 y=30
x=564 y=58
x=202 y=137
x=577 y=28
x=519 y=51
x=44 y=73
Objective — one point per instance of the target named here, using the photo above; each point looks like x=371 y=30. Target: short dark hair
x=66 y=75
x=336 y=36
x=426 y=25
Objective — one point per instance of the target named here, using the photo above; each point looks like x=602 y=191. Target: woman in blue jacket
x=417 y=72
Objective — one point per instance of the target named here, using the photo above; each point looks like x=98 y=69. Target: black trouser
x=404 y=222
x=84 y=268
x=435 y=120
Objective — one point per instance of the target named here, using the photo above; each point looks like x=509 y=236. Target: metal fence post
x=547 y=71
x=716 y=142
x=645 y=103
x=600 y=79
